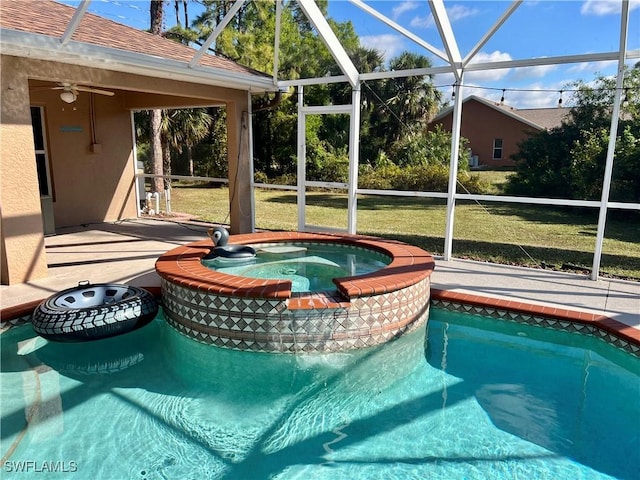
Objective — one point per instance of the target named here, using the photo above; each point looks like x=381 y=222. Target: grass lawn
x=497 y=179
x=531 y=235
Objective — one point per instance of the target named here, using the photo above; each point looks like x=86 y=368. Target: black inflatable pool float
x=90 y=312
x=220 y=237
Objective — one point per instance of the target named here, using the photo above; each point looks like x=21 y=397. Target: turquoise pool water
x=311 y=267
x=474 y=399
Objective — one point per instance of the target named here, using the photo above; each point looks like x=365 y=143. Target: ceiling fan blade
x=94 y=90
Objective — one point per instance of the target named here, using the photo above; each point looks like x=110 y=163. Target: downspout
x=252 y=175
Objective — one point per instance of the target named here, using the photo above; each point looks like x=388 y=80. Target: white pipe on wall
x=151 y=196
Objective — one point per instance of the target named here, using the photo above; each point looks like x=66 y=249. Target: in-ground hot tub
x=247 y=313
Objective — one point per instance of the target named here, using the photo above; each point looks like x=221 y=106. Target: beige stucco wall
x=90 y=185
x=22 y=241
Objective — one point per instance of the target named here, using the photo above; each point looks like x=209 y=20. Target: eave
x=43 y=47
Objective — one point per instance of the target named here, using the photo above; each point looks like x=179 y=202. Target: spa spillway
x=269 y=315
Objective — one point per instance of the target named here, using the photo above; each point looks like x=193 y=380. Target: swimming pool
x=476 y=398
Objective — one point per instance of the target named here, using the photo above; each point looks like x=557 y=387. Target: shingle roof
x=540 y=118
x=50 y=18
x=545 y=117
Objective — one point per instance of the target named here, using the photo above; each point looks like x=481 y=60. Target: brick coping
x=599 y=321
x=409 y=265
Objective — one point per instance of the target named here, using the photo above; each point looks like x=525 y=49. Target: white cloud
x=403 y=7
x=533 y=99
x=489 y=75
x=444 y=79
x=390 y=45
x=533 y=72
x=605 y=7
x=455 y=13
x=534 y=95
x=458 y=12
x=483 y=77
x=593 y=67
x=422 y=22
x=495 y=56
x=600 y=7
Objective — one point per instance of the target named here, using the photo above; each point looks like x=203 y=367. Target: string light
x=625 y=101
x=550 y=90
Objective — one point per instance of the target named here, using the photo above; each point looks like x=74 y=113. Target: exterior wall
x=90 y=184
x=22 y=239
x=481 y=125
x=90 y=150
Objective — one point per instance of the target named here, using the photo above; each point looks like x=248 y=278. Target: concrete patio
x=126 y=251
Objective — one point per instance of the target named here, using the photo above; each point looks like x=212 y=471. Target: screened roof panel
x=558 y=28
x=411 y=16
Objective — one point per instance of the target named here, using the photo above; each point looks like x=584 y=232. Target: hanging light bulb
x=502 y=98
x=453 y=93
x=560 y=100
x=625 y=100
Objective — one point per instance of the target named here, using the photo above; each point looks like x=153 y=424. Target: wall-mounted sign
x=71 y=128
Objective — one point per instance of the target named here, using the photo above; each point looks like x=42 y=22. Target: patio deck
x=125 y=252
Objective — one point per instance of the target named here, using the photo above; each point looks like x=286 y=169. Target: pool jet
x=219 y=237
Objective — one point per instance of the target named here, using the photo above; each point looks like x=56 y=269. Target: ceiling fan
x=70 y=91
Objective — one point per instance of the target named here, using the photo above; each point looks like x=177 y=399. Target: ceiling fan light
x=68 y=96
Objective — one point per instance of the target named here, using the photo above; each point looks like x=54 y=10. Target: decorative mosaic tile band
x=616 y=333
x=17 y=315
x=269 y=325
x=15 y=322
x=531 y=315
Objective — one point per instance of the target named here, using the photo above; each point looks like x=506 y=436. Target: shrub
x=421 y=178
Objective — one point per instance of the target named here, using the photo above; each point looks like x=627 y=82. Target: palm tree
x=414 y=99
x=157 y=14
x=183 y=129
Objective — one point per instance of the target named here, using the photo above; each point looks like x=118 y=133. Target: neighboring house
x=66 y=154
x=494 y=130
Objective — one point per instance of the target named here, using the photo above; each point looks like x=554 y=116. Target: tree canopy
x=392 y=110
x=569 y=161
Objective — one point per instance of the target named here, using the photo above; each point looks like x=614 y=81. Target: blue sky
x=538 y=28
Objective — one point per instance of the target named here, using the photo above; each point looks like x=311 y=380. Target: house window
x=42 y=160
x=497 y=148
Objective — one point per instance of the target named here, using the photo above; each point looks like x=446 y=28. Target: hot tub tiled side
x=263 y=315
